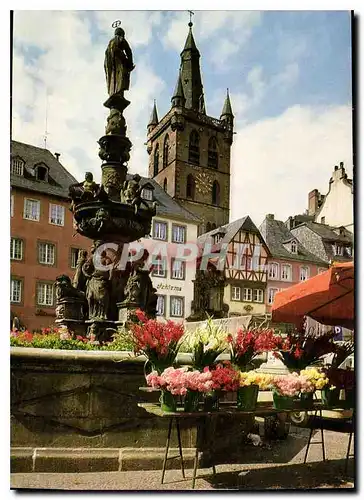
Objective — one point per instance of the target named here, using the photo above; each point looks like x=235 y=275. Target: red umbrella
x=327 y=298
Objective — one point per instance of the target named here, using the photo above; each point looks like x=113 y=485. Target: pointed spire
x=190 y=41
x=153 y=117
x=226 y=110
x=178 y=98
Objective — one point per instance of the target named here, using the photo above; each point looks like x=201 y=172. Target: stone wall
x=77 y=410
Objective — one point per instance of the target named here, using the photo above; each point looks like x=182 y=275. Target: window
x=322 y=220
x=216 y=193
x=160 y=231
x=177 y=307
x=235 y=293
x=74 y=257
x=42 y=173
x=156 y=160
x=194 y=148
x=46 y=253
x=159 y=268
x=178 y=269
x=165 y=184
x=56 y=214
x=190 y=187
x=178 y=233
x=271 y=294
x=208 y=227
x=349 y=251
x=17 y=166
x=147 y=194
x=31 y=209
x=45 y=294
x=294 y=246
x=12 y=205
x=16 y=291
x=258 y=295
x=338 y=249
x=16 y=249
x=161 y=305
x=304 y=273
x=212 y=158
x=216 y=238
x=273 y=271
x=165 y=151
x=247 y=295
x=286 y=272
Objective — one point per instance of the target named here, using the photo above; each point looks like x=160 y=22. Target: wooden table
x=226 y=409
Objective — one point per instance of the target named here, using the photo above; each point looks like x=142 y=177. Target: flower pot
x=211 y=401
x=306 y=400
x=247 y=397
x=191 y=402
x=349 y=398
x=168 y=401
x=330 y=397
x=282 y=402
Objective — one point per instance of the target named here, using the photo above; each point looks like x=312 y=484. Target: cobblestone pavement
x=278 y=465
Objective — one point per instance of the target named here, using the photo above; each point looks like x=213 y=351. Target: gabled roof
x=59 y=179
x=166 y=205
x=230 y=230
x=277 y=235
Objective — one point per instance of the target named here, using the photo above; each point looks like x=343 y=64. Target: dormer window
x=294 y=246
x=41 y=173
x=338 y=249
x=17 y=166
x=147 y=194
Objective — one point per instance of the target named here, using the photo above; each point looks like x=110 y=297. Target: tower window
x=165 y=151
x=212 y=159
x=156 y=160
x=190 y=187
x=216 y=193
x=194 y=148
x=165 y=184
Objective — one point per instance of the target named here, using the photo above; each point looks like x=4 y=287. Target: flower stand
x=247 y=397
x=330 y=397
x=282 y=402
x=168 y=401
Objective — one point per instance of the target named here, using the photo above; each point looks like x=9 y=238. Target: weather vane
x=191 y=14
x=116 y=24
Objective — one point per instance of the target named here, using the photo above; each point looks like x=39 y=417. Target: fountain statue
x=100 y=299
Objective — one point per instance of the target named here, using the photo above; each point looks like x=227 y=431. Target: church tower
x=189 y=150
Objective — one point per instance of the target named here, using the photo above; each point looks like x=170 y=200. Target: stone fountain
x=104 y=295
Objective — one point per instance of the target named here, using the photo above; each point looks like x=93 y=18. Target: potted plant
x=285 y=389
x=312 y=379
x=224 y=379
x=250 y=384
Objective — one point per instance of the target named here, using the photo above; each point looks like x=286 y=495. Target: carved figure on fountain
x=97 y=291
x=115 y=123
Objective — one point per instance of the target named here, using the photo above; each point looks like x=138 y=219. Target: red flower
x=141 y=316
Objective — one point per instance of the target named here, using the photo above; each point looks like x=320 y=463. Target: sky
x=288 y=74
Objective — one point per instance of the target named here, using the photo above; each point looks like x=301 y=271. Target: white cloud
x=277 y=161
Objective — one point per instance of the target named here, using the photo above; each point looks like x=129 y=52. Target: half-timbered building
x=239 y=251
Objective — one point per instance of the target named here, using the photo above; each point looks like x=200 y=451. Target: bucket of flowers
x=158 y=341
x=312 y=379
x=301 y=349
x=224 y=378
x=206 y=343
x=285 y=389
x=245 y=345
x=180 y=382
x=250 y=384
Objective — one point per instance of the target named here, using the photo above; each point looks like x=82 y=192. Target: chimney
x=313 y=201
x=270 y=216
x=57 y=155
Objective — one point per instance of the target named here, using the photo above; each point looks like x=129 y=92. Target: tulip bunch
x=224 y=377
x=287 y=385
x=313 y=379
x=263 y=380
x=179 y=380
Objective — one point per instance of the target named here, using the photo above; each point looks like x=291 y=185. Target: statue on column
x=118 y=64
